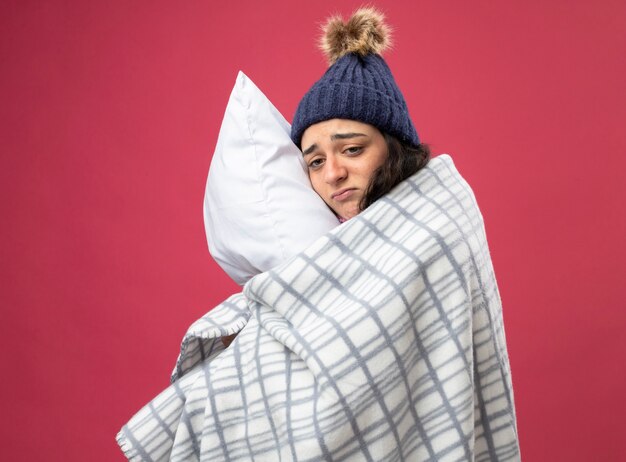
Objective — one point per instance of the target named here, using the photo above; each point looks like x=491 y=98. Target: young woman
x=381 y=341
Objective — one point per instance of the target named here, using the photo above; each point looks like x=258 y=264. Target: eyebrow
x=334 y=137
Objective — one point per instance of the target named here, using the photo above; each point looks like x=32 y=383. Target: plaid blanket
x=383 y=341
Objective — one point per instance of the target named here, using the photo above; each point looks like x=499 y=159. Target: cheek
x=316 y=183
x=377 y=163
x=382 y=158
x=368 y=170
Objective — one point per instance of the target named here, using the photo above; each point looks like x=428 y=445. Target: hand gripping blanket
x=383 y=341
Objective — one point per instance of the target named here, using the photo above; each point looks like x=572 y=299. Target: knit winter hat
x=358 y=85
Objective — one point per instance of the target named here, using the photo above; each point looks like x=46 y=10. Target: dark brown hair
x=403 y=160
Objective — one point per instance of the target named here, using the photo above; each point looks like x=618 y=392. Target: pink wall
x=109 y=114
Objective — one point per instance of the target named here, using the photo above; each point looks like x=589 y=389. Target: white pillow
x=259 y=207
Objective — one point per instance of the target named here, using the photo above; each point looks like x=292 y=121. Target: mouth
x=343 y=194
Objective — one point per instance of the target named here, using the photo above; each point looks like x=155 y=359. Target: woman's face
x=342 y=156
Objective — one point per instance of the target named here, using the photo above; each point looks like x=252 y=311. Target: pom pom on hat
x=364 y=33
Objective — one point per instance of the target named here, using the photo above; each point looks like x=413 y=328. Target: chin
x=350 y=213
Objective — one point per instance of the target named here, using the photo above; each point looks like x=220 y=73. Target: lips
x=342 y=194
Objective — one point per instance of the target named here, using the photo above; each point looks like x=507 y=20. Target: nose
x=334 y=170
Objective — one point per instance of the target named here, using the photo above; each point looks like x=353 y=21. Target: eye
x=316 y=163
x=353 y=150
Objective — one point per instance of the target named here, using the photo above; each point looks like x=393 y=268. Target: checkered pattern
x=383 y=341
